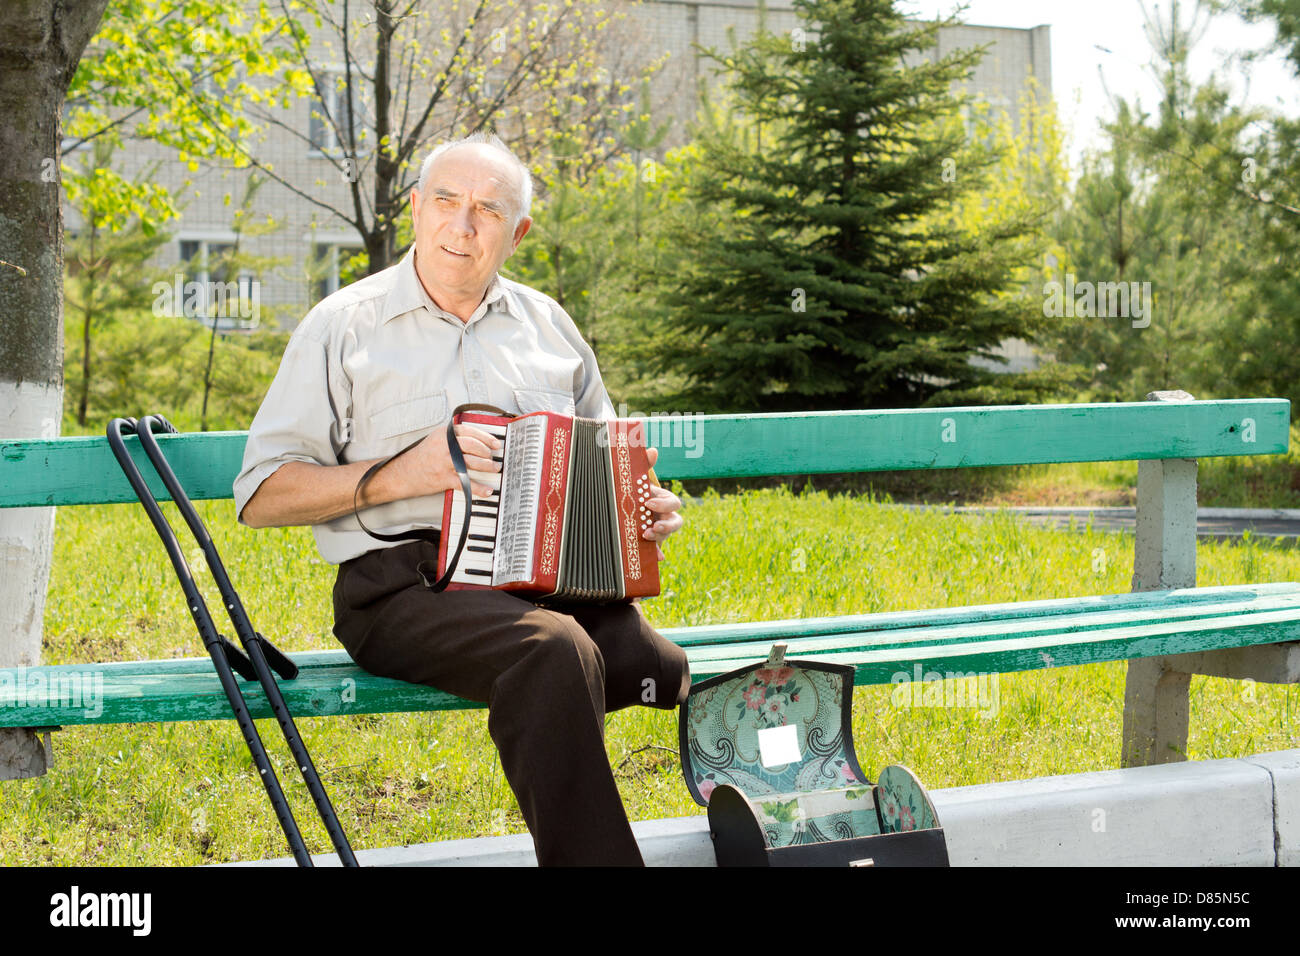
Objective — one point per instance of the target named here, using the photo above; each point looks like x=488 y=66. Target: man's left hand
x=665 y=505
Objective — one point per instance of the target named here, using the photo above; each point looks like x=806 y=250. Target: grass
x=186 y=794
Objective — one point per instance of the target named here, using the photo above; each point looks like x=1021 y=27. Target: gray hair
x=486 y=139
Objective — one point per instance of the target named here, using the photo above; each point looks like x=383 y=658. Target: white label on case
x=778 y=746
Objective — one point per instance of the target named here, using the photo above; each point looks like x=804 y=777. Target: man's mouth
x=455 y=252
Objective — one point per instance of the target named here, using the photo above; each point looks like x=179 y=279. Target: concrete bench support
x=1157 y=689
x=24 y=753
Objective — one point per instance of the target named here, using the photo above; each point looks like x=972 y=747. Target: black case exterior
x=735 y=823
x=738 y=841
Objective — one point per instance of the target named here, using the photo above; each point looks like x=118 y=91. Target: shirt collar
x=408 y=294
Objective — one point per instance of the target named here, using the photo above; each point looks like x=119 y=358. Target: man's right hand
x=301 y=492
x=427 y=469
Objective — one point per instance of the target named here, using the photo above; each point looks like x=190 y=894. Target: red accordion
x=566 y=515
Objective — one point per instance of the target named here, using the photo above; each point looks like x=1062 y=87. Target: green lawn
x=185 y=793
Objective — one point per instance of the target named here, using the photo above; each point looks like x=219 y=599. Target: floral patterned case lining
x=815 y=816
x=903 y=802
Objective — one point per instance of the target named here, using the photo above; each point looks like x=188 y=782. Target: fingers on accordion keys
x=490 y=479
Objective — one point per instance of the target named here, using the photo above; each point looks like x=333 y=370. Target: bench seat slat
x=1061 y=626
x=875 y=666
x=972 y=639
x=167 y=697
x=1160 y=603
x=1157 y=603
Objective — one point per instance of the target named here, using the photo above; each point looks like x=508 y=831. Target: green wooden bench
x=1167 y=629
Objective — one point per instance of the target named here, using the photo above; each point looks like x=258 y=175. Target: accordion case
x=769 y=750
x=566 y=515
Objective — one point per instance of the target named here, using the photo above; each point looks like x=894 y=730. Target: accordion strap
x=424 y=534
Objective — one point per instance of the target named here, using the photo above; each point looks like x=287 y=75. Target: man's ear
x=415 y=209
x=521 y=230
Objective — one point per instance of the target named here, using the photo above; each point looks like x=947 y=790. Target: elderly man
x=370 y=370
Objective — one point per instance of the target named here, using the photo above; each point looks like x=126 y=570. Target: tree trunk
x=207 y=376
x=86 y=316
x=40 y=44
x=388 y=207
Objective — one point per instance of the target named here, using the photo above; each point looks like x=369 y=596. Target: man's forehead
x=473 y=166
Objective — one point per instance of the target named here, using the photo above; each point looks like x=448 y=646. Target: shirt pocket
x=410 y=415
x=536 y=399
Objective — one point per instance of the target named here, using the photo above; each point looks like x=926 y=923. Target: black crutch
x=262 y=656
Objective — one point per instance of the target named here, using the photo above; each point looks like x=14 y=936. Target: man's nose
x=463 y=221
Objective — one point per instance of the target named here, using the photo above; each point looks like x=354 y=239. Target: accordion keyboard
x=520 y=501
x=475 y=565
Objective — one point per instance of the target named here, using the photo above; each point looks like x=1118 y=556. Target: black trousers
x=548 y=678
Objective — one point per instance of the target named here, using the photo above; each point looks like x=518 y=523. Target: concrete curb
x=1283 y=767
x=1236 y=812
x=1212 y=524
x=1244 y=514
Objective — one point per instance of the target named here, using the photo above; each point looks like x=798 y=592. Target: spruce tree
x=840 y=276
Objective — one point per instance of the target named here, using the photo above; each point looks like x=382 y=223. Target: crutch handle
x=160 y=425
x=279 y=661
x=239 y=661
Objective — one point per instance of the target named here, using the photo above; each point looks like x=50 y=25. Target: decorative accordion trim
x=630 y=523
x=550 y=535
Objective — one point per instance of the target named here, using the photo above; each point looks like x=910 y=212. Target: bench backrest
x=81 y=470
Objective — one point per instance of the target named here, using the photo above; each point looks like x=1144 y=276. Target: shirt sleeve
x=592 y=400
x=304 y=416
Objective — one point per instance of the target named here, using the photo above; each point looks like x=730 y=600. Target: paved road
x=1210 y=522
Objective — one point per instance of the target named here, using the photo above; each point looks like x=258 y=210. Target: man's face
x=465 y=221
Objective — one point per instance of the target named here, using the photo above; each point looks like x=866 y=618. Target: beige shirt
x=377 y=366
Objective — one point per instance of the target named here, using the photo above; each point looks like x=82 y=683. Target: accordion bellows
x=769 y=750
x=566 y=519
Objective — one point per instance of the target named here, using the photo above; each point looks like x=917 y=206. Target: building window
x=206 y=261
x=334 y=265
x=211 y=292
x=329 y=130
x=203 y=81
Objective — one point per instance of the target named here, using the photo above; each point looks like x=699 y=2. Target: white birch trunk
x=41 y=42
